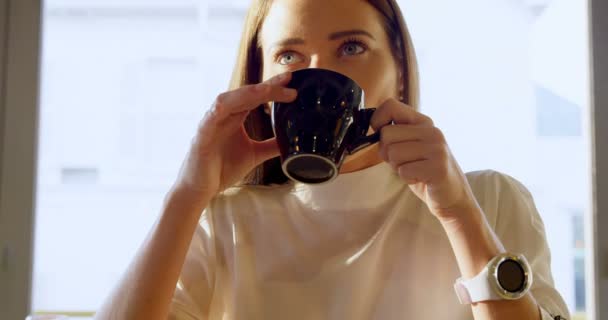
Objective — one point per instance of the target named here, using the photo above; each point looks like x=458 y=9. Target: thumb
x=265 y=150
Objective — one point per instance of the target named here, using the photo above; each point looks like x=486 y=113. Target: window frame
x=597 y=251
x=20 y=35
x=20 y=22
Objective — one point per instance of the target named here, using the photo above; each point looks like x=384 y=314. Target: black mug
x=324 y=123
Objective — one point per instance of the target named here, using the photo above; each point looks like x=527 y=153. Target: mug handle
x=362 y=140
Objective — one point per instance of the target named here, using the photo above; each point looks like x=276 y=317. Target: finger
x=250 y=97
x=403 y=133
x=399 y=153
x=399 y=113
x=265 y=150
x=279 y=79
x=238 y=120
x=423 y=171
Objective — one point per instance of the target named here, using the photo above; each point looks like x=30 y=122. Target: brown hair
x=248 y=70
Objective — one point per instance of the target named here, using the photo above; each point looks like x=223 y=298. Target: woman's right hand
x=222 y=153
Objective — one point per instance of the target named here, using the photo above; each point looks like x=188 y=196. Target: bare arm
x=418 y=152
x=146 y=289
x=220 y=155
x=474 y=244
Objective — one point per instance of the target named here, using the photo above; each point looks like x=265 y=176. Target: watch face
x=511 y=276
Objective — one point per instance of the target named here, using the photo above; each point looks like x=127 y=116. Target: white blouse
x=360 y=247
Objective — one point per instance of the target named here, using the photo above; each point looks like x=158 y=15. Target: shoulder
x=494 y=185
x=497 y=193
x=486 y=178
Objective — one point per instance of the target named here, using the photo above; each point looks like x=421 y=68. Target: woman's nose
x=317 y=61
x=329 y=63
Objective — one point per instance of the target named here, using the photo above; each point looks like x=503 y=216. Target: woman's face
x=344 y=36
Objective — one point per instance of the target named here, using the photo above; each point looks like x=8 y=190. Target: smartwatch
x=507 y=276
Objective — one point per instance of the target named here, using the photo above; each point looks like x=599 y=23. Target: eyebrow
x=354 y=32
x=332 y=36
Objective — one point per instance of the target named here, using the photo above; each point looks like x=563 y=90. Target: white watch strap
x=475 y=289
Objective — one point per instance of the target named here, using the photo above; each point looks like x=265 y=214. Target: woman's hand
x=222 y=153
x=418 y=152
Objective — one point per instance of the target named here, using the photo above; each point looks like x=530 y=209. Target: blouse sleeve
x=194 y=289
x=521 y=230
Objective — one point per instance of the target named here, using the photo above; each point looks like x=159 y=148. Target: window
x=124 y=85
x=507 y=83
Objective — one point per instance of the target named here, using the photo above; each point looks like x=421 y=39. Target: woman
x=386 y=240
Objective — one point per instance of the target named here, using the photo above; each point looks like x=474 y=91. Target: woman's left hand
x=418 y=152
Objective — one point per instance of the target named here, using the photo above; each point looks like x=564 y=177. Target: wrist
x=464 y=208
x=473 y=241
x=186 y=200
x=465 y=217
x=508 y=276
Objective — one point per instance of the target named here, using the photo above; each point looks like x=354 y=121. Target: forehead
x=310 y=19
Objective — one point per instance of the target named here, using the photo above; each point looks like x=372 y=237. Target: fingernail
x=278 y=78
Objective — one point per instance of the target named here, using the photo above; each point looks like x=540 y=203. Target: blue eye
x=352 y=48
x=288 y=58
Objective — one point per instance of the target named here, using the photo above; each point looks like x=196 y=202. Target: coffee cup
x=326 y=122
